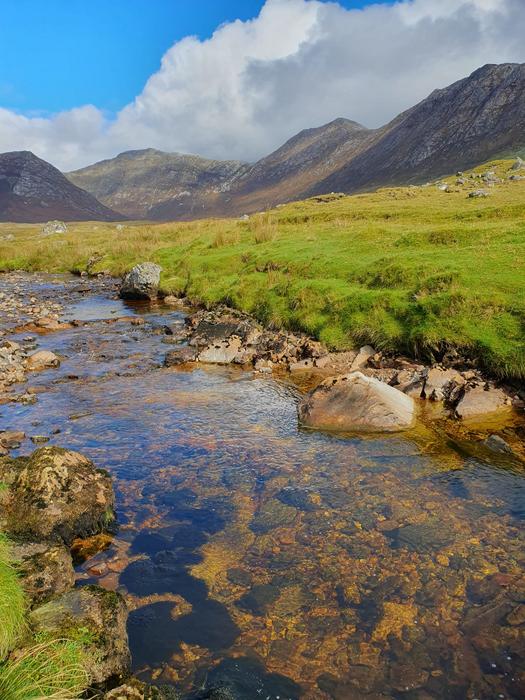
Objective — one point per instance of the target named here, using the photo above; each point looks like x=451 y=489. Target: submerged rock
x=142 y=282
x=355 y=402
x=56 y=494
x=102 y=616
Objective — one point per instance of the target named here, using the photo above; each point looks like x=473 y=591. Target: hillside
x=477 y=118
x=33 y=190
x=418 y=270
x=150 y=184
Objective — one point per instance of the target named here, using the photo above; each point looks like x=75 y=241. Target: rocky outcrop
x=55 y=494
x=102 y=615
x=142 y=282
x=354 y=402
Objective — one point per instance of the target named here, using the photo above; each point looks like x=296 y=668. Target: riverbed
x=278 y=562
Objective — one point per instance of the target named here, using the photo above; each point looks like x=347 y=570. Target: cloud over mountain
x=300 y=63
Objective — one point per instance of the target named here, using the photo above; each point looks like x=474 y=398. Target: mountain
x=32 y=190
x=455 y=128
x=151 y=184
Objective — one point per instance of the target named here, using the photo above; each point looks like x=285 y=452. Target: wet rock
x=355 y=402
x=259 y=599
x=56 y=494
x=245 y=679
x=481 y=400
x=11 y=439
x=222 y=353
x=134 y=689
x=180 y=356
x=42 y=359
x=421 y=537
x=46 y=569
x=103 y=615
x=272 y=514
x=142 y=282
x=498 y=444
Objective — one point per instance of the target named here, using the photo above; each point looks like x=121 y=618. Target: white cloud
x=300 y=63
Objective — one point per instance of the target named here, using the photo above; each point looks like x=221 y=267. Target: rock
x=363 y=357
x=49 y=324
x=46 y=569
x=518 y=164
x=102 y=615
x=142 y=282
x=11 y=439
x=477 y=194
x=439 y=382
x=498 y=444
x=53 y=227
x=180 y=356
x=222 y=353
x=56 y=494
x=355 y=402
x=42 y=359
x=133 y=689
x=338 y=362
x=481 y=400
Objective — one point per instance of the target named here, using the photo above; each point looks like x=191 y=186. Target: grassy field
x=413 y=270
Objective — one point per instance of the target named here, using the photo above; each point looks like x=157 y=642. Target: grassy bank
x=412 y=270
x=50 y=668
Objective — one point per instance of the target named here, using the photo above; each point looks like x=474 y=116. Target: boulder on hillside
x=55 y=494
x=354 y=402
x=102 y=615
x=518 y=164
x=46 y=569
x=142 y=282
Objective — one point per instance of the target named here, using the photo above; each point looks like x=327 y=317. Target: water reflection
x=270 y=562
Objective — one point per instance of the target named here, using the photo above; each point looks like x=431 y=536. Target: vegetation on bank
x=43 y=668
x=414 y=270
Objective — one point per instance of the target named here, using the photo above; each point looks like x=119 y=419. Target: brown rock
x=480 y=401
x=42 y=359
x=355 y=402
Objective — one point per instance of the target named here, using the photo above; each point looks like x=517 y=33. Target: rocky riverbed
x=253 y=557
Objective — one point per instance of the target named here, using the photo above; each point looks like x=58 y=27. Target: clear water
x=279 y=562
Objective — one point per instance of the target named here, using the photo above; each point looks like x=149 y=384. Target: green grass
x=412 y=270
x=54 y=668
x=12 y=602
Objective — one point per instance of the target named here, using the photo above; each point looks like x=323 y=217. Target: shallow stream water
x=282 y=563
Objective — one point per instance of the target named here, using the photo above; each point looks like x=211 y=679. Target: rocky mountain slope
x=32 y=190
x=469 y=122
x=150 y=184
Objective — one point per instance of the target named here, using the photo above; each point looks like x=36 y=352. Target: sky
x=82 y=80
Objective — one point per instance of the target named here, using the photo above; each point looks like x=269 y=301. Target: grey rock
x=142 y=282
x=46 y=569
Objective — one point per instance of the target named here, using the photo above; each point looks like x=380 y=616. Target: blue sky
x=59 y=54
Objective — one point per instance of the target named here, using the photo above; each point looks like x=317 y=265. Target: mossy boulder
x=96 y=618
x=55 y=494
x=46 y=569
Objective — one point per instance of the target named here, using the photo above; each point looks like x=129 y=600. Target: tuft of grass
x=407 y=269
x=53 y=670
x=12 y=602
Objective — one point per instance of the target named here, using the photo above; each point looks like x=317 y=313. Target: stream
x=278 y=562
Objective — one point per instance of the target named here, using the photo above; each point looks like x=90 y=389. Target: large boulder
x=46 y=569
x=55 y=494
x=142 y=282
x=353 y=402
x=53 y=227
x=102 y=617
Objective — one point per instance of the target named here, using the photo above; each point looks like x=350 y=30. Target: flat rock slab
x=354 y=402
x=479 y=402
